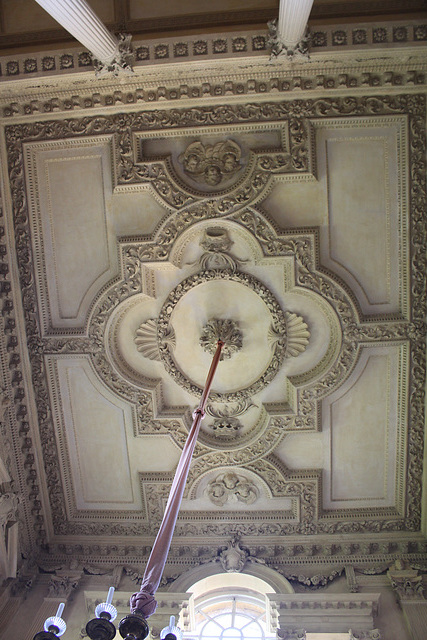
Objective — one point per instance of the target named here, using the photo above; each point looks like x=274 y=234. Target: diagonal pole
x=143 y=601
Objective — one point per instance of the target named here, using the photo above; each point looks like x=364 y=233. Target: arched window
x=230 y=607
x=232 y=617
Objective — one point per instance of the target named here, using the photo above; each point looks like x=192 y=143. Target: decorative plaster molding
x=291 y=54
x=210 y=164
x=123 y=61
x=301 y=245
x=374 y=74
x=4 y=403
x=401 y=37
x=291 y=634
x=231 y=486
x=283 y=323
x=146 y=340
x=407 y=584
x=225 y=330
x=350 y=575
x=63 y=583
x=343 y=610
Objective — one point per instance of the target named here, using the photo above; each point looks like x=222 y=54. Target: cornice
x=211 y=82
x=335 y=40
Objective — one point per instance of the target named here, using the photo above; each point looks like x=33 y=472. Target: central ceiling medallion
x=220 y=300
x=225 y=330
x=271 y=334
x=217 y=284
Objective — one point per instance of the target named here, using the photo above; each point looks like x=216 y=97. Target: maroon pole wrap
x=143 y=601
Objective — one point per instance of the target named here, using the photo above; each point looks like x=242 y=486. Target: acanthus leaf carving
x=225 y=330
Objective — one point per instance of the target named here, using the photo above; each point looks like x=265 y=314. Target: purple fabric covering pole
x=144 y=601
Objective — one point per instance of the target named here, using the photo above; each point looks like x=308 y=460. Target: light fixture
x=171 y=632
x=54 y=626
x=101 y=627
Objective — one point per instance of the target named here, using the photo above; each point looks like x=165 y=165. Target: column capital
x=407 y=584
x=63 y=583
x=121 y=62
x=299 y=52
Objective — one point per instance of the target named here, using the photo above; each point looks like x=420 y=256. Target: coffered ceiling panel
x=361 y=167
x=361 y=423
x=94 y=428
x=70 y=190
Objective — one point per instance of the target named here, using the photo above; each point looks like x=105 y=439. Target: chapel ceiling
x=292 y=229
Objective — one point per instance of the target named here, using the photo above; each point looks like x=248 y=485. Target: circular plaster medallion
x=294 y=344
x=239 y=297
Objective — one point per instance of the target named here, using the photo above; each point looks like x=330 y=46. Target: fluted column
x=77 y=17
x=409 y=588
x=287 y=36
x=293 y=18
x=110 y=54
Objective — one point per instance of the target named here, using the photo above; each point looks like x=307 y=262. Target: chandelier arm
x=143 y=601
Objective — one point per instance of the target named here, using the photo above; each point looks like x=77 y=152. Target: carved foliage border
x=412 y=105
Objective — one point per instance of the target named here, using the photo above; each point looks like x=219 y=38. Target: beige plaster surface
x=359 y=235
x=359 y=170
x=360 y=423
x=162 y=7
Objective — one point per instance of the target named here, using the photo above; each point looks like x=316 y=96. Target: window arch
x=232 y=617
x=230 y=607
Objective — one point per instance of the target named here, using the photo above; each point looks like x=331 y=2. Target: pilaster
x=409 y=589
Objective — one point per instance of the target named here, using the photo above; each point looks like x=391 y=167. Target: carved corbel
x=350 y=576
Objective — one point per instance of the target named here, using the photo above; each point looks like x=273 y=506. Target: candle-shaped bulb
x=171 y=631
x=55 y=623
x=106 y=609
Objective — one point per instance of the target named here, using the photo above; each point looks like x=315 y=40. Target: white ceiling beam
x=293 y=18
x=79 y=19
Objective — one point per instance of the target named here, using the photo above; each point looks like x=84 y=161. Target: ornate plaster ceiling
x=296 y=227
